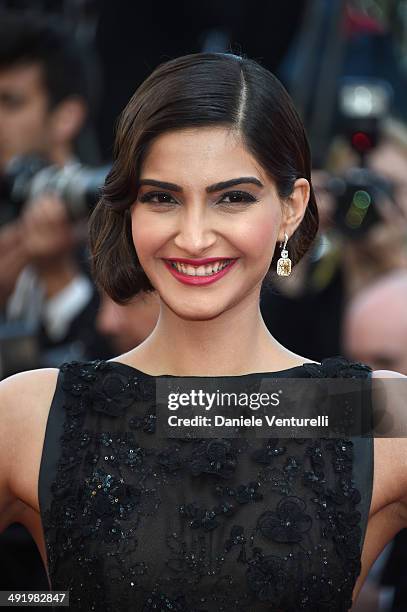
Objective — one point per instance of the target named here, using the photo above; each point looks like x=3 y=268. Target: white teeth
x=206 y=270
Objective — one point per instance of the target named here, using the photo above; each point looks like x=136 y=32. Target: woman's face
x=203 y=195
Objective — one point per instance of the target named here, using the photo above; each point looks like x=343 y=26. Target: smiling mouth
x=205 y=270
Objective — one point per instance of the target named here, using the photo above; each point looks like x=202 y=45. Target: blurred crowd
x=62 y=84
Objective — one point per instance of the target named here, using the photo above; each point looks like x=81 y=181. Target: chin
x=196 y=312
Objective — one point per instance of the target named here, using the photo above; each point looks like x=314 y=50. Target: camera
x=26 y=177
x=78 y=186
x=362 y=105
x=356 y=194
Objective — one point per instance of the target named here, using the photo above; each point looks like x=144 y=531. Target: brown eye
x=158 y=197
x=237 y=197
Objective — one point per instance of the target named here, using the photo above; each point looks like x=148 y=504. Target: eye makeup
x=234 y=197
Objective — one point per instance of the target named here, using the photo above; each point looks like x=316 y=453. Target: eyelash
x=245 y=198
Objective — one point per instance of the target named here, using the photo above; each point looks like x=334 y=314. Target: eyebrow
x=210 y=189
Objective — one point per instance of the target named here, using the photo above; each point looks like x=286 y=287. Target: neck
x=212 y=347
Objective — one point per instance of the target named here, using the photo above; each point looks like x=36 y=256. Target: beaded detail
x=137 y=522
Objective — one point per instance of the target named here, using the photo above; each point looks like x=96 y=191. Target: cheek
x=148 y=234
x=258 y=235
x=33 y=117
x=29 y=129
x=19 y=126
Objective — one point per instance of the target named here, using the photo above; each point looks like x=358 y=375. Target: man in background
x=44 y=280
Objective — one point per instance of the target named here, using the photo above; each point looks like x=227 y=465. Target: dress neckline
x=250 y=374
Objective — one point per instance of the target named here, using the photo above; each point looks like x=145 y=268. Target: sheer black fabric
x=137 y=522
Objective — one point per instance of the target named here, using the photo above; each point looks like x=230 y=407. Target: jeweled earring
x=284 y=263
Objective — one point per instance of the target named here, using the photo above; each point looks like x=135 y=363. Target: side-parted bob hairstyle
x=202 y=89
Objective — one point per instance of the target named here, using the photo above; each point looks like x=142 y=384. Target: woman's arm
x=8 y=501
x=25 y=399
x=389 y=401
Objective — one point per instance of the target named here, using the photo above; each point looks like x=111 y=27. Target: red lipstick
x=198 y=262
x=199 y=280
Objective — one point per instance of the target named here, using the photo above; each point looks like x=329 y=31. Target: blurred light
x=361 y=141
x=365 y=99
x=363 y=104
x=353 y=218
x=361 y=199
x=358 y=209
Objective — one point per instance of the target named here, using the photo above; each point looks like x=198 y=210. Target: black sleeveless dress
x=137 y=522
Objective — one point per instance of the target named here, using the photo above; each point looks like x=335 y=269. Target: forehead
x=23 y=77
x=204 y=154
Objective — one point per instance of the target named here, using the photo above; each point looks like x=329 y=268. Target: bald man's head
x=375 y=324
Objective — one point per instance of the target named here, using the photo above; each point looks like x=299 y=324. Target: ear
x=294 y=208
x=67 y=119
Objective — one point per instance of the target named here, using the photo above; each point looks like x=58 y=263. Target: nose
x=196 y=233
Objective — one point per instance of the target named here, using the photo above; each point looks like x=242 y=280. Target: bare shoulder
x=26 y=395
x=25 y=400
x=389 y=397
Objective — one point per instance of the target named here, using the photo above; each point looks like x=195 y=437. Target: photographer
x=347 y=257
x=379 y=246
x=43 y=107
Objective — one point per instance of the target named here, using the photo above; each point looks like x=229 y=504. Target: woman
x=212 y=170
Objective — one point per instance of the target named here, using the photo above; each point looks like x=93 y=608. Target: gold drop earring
x=284 y=263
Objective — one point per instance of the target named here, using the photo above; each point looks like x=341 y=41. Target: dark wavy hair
x=202 y=89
